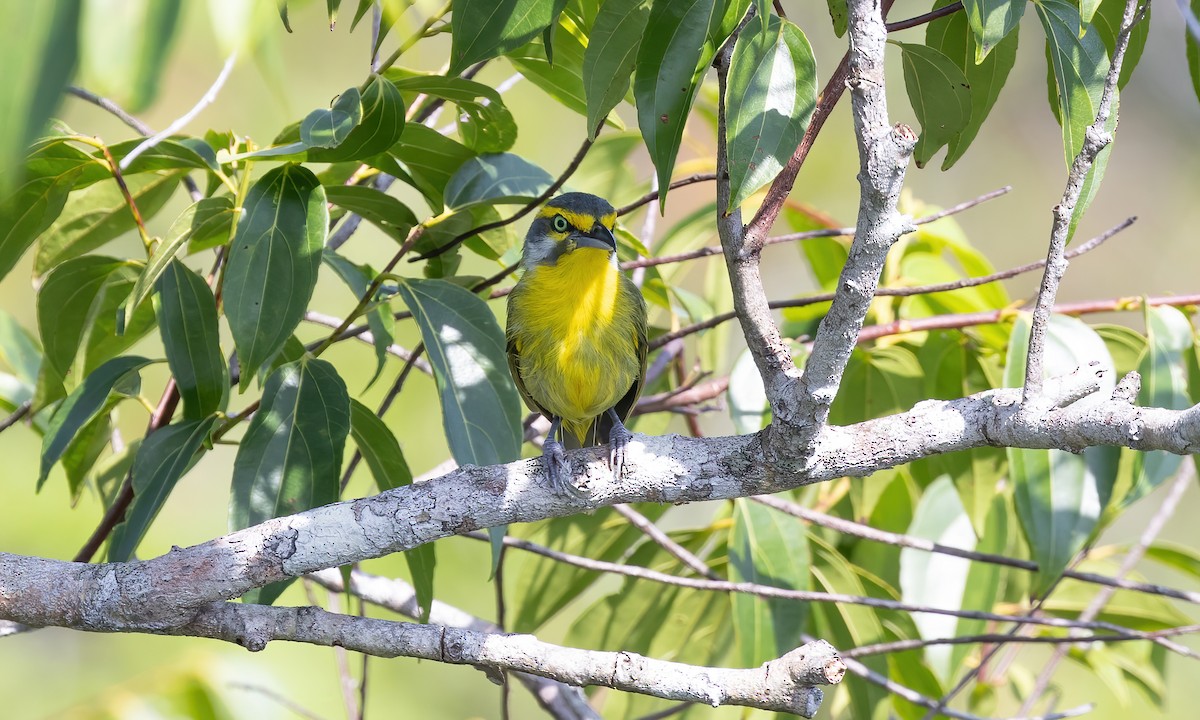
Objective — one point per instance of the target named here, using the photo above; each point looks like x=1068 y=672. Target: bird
x=576 y=332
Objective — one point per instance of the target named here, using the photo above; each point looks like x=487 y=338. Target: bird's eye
x=559 y=223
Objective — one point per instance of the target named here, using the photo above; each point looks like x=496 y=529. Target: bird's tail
x=586 y=434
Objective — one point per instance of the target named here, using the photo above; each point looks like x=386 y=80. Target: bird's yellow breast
x=575 y=338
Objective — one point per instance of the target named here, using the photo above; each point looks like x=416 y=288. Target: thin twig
x=653 y=194
x=886 y=648
x=1183 y=480
x=660 y=538
x=769 y=591
x=280 y=698
x=16 y=415
x=924 y=19
x=367 y=337
x=179 y=123
x=525 y=209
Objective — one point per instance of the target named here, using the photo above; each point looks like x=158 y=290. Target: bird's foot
x=558 y=468
x=618 y=441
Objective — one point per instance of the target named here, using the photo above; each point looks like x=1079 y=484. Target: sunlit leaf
x=329 y=128
x=380 y=209
x=379 y=318
x=610 y=57
x=748 y=407
x=124 y=48
x=940 y=97
x=771 y=97
x=766 y=547
x=30 y=208
x=991 y=21
x=164 y=457
x=291 y=454
x=381 y=126
x=1107 y=22
x=839 y=15
x=1060 y=495
x=273 y=263
x=432 y=159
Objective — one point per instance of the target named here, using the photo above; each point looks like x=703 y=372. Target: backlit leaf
x=496 y=179
x=29 y=209
x=381 y=126
x=329 y=128
x=124 y=48
x=991 y=21
x=940 y=97
x=1060 y=495
x=483 y=29
x=380 y=209
x=379 y=316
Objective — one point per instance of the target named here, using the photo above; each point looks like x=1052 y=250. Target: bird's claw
x=558 y=468
x=618 y=441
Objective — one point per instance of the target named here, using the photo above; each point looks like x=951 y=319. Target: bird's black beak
x=598 y=237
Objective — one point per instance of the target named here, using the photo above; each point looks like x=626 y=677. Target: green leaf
x=379 y=316
x=940 y=97
x=432 y=158
x=85 y=449
x=483 y=29
x=983 y=579
x=768 y=548
x=379 y=448
x=40 y=55
x=747 y=397
x=486 y=128
x=382 y=125
x=1164 y=385
x=950 y=36
x=19 y=349
x=1124 y=344
x=331 y=6
x=289 y=459
x=1178 y=557
x=496 y=180
x=1088 y=8
x=32 y=207
x=380 y=209
x=991 y=21
x=187 y=321
x=1079 y=64
x=610 y=57
x=543 y=587
x=839 y=15
x=562 y=79
x=84 y=404
x=1107 y=22
x=387 y=465
x=480 y=407
x=329 y=128
x=124 y=48
x=454 y=89
x=163 y=458
x=273 y=263
x=670 y=63
x=77 y=313
x=1059 y=495
x=771 y=97
x=168 y=154
x=198 y=225
x=1192 y=50
x=97 y=214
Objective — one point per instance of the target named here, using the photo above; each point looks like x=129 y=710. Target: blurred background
x=1152 y=174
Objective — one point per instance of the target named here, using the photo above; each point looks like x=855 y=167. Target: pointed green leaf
x=1059 y=495
x=85 y=449
x=486 y=128
x=380 y=209
x=1164 y=385
x=379 y=448
x=1192 y=50
x=168 y=154
x=379 y=317
x=766 y=547
x=77 y=313
x=839 y=15
x=950 y=36
x=19 y=349
x=329 y=128
x=40 y=55
x=940 y=97
x=1079 y=65
x=201 y=223
x=291 y=454
x=771 y=97
x=381 y=126
x=496 y=180
x=991 y=21
x=99 y=213
x=432 y=159
x=163 y=458
x=563 y=78
x=670 y=63
x=610 y=57
x=331 y=6
x=480 y=407
x=273 y=263
x=32 y=207
x=187 y=321
x=483 y=29
x=84 y=404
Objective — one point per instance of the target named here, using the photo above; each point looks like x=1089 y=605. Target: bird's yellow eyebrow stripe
x=582 y=221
